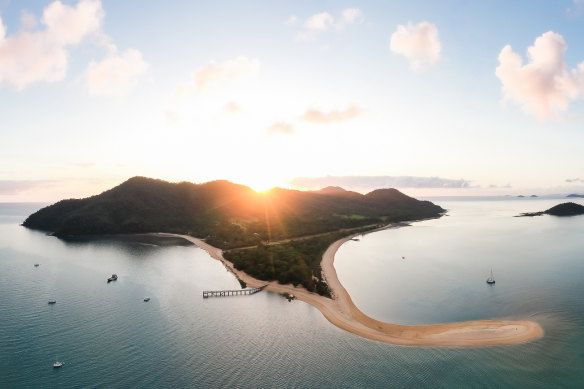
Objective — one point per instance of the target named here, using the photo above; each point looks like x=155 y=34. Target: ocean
x=433 y=271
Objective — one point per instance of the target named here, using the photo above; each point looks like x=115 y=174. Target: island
x=576 y=195
x=282 y=235
x=564 y=209
x=279 y=234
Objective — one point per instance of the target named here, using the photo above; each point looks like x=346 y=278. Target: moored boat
x=112 y=278
x=57 y=363
x=491 y=279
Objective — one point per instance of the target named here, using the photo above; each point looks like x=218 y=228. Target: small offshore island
x=564 y=209
x=284 y=235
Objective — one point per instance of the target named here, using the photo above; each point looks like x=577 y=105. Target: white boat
x=57 y=363
x=146 y=299
x=114 y=277
x=52 y=301
x=491 y=279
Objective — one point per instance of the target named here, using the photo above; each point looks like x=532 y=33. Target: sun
x=261 y=187
x=261 y=184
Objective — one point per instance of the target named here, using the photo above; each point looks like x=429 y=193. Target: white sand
x=342 y=312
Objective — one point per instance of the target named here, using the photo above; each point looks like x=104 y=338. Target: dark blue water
x=109 y=337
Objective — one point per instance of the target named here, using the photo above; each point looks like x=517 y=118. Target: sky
x=433 y=98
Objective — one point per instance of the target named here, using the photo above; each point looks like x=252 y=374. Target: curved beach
x=342 y=312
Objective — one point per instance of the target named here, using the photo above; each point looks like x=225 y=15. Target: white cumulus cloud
x=349 y=16
x=319 y=22
x=29 y=56
x=419 y=43
x=543 y=86
x=39 y=51
x=324 y=21
x=116 y=74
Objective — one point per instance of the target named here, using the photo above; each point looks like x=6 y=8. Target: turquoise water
x=109 y=337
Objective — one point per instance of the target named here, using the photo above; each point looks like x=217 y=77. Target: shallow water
x=109 y=337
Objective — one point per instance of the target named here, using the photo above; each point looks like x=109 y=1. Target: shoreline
x=343 y=313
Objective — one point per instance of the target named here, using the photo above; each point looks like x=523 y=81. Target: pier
x=238 y=292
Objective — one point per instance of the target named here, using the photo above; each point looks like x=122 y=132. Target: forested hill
x=564 y=209
x=228 y=215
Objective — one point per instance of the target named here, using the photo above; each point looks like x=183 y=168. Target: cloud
x=507 y=186
x=317 y=116
x=319 y=22
x=116 y=74
x=291 y=21
x=215 y=75
x=349 y=16
x=544 y=86
x=41 y=54
x=324 y=21
x=28 y=21
x=232 y=108
x=29 y=56
x=419 y=43
x=365 y=183
x=576 y=9
x=280 y=128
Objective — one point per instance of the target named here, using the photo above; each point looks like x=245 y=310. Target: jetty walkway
x=238 y=292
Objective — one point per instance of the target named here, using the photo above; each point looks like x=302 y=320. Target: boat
x=57 y=363
x=36 y=265
x=491 y=279
x=52 y=301
x=146 y=299
x=112 y=278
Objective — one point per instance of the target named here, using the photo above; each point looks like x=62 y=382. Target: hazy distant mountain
x=575 y=195
x=228 y=214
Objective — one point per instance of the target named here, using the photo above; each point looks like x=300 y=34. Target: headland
x=343 y=313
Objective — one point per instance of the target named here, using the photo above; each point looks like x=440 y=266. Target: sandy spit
x=342 y=312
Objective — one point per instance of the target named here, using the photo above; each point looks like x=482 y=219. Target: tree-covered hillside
x=228 y=215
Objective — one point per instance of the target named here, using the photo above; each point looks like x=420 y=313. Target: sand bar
x=342 y=312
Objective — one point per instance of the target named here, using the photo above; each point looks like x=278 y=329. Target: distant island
x=278 y=235
x=564 y=209
x=575 y=195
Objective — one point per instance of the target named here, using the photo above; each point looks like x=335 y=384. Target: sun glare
x=260 y=184
x=261 y=187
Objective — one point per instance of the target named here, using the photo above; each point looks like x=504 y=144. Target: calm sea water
x=109 y=337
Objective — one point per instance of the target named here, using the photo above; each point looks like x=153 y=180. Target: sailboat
x=57 y=363
x=491 y=279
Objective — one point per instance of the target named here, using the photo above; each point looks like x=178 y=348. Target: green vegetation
x=296 y=262
x=226 y=214
x=229 y=216
x=564 y=209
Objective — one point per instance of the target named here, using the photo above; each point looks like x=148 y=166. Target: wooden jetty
x=238 y=292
